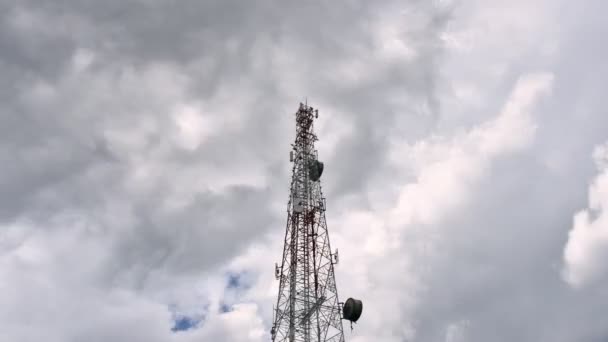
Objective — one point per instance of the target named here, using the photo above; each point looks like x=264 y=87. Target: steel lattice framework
x=307 y=307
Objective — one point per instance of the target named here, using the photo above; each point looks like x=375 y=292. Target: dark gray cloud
x=144 y=152
x=98 y=167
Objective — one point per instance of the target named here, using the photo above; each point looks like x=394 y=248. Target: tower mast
x=307 y=307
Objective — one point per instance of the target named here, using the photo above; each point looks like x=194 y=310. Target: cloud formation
x=404 y=235
x=587 y=244
x=144 y=151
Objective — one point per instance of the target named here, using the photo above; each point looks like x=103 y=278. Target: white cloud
x=144 y=157
x=586 y=251
x=456 y=332
x=445 y=170
x=377 y=244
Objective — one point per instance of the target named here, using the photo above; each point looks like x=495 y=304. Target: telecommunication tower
x=308 y=308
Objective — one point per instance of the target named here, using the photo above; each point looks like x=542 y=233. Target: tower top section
x=306 y=155
x=304 y=123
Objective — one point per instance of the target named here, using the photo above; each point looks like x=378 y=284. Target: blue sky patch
x=185 y=323
x=234 y=281
x=225 y=308
x=238 y=281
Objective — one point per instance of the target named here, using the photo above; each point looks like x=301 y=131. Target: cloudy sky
x=145 y=172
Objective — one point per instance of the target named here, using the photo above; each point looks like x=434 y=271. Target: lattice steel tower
x=307 y=307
